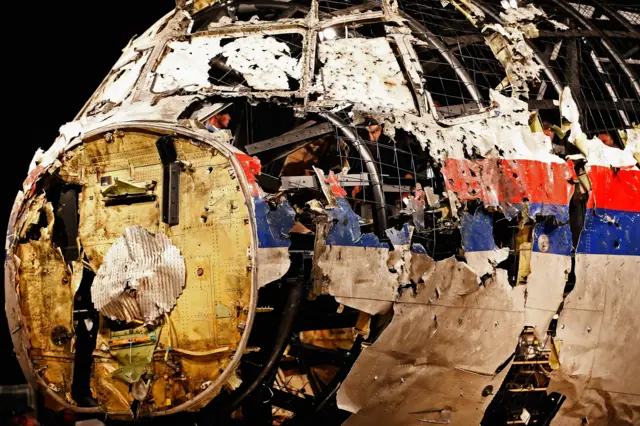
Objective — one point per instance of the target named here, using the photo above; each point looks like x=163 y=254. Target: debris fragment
x=596 y=152
x=507 y=41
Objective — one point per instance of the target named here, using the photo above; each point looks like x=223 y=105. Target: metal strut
x=378 y=191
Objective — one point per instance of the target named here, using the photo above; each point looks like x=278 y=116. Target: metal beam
x=576 y=16
x=290 y=138
x=614 y=15
x=477 y=38
x=589 y=33
x=603 y=105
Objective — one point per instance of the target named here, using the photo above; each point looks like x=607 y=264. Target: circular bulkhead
x=117 y=308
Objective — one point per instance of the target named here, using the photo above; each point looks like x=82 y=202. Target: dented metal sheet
x=550 y=264
x=141 y=277
x=348 y=264
x=442 y=348
x=480 y=250
x=354 y=267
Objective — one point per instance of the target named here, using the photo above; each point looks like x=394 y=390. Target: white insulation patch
x=264 y=62
x=363 y=71
x=120 y=83
x=141 y=277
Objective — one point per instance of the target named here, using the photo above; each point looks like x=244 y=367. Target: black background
x=55 y=56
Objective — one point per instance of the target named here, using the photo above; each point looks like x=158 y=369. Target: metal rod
x=378 y=191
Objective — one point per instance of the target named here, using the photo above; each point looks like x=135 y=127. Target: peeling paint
x=363 y=71
x=536 y=187
x=504 y=133
x=264 y=62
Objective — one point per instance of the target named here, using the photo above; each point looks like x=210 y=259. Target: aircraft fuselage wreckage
x=370 y=212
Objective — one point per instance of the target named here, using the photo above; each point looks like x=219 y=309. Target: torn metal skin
x=175 y=301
